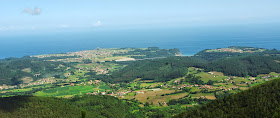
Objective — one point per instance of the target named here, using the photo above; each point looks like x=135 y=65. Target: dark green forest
x=243 y=66
x=157 y=70
x=261 y=101
x=49 y=107
x=90 y=106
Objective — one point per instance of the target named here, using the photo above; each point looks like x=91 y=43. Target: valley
x=149 y=79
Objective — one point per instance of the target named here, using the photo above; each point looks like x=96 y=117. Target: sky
x=47 y=16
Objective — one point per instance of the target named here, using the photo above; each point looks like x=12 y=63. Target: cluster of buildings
x=86 y=54
x=38 y=82
x=94 y=54
x=226 y=50
x=4 y=86
x=91 y=82
x=205 y=87
x=100 y=70
x=117 y=94
x=228 y=89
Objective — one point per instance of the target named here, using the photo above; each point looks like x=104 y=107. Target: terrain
x=148 y=82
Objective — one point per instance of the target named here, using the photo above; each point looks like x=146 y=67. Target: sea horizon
x=188 y=40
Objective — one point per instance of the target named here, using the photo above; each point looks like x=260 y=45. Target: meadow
x=67 y=91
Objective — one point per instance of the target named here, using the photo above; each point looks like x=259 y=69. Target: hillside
x=157 y=70
x=15 y=71
x=38 y=107
x=244 y=66
x=174 y=67
x=50 y=68
x=259 y=101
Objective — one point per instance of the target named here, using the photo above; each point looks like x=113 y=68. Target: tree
x=210 y=82
x=87 y=61
x=84 y=113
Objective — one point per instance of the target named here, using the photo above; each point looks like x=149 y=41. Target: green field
x=66 y=91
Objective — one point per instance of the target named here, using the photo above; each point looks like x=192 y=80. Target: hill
x=235 y=51
x=14 y=70
x=53 y=67
x=258 y=102
x=244 y=66
x=157 y=70
x=174 y=67
x=39 y=107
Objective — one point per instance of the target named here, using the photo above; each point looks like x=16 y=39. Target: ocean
x=188 y=40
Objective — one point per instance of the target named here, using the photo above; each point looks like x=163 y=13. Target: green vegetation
x=157 y=70
x=149 y=82
x=243 y=66
x=94 y=106
x=259 y=101
x=66 y=91
x=12 y=70
x=174 y=67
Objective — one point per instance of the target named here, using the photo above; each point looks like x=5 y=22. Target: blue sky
x=27 y=16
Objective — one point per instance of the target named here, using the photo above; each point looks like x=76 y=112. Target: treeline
x=12 y=69
x=261 y=101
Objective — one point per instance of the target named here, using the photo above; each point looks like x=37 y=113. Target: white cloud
x=97 y=24
x=35 y=11
x=64 y=26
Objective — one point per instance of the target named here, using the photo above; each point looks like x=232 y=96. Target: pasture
x=66 y=91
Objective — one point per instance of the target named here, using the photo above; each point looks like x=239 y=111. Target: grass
x=67 y=90
x=150 y=84
x=17 y=90
x=205 y=77
x=154 y=96
x=104 y=87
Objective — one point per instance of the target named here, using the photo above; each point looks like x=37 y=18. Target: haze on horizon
x=43 y=16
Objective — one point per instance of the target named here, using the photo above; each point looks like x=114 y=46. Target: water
x=188 y=40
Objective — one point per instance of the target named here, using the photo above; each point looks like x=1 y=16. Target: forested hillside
x=261 y=101
x=174 y=67
x=157 y=70
x=243 y=66
x=38 y=107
